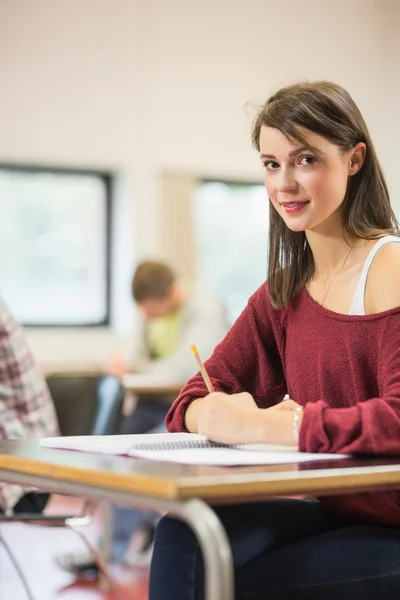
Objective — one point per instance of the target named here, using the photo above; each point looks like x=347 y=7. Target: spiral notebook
x=185 y=448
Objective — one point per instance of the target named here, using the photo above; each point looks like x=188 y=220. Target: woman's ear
x=357 y=158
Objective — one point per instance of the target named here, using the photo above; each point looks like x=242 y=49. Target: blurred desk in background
x=74 y=368
x=142 y=383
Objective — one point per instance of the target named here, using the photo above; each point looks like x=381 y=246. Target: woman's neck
x=329 y=250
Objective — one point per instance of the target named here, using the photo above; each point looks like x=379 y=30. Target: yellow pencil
x=203 y=370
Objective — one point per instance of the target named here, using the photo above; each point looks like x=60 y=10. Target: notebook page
x=112 y=444
x=178 y=447
x=230 y=456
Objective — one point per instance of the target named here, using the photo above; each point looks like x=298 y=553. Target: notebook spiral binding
x=179 y=445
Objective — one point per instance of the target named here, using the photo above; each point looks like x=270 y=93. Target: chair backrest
x=86 y=404
x=109 y=406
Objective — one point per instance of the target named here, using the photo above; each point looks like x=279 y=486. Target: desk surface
x=213 y=484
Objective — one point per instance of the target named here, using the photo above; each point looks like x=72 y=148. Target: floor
x=35 y=548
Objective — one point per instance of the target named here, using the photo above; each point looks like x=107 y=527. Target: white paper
x=109 y=444
x=250 y=454
x=229 y=457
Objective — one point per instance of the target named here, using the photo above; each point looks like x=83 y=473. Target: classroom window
x=231 y=223
x=55 y=245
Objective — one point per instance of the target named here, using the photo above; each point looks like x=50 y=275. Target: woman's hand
x=288 y=404
x=229 y=419
x=236 y=419
x=279 y=423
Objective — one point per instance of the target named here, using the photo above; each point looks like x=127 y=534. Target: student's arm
x=383 y=283
x=192 y=416
x=247 y=360
x=372 y=426
x=26 y=409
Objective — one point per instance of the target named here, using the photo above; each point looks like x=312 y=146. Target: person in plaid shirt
x=26 y=408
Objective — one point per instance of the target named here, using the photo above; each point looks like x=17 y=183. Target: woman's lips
x=293 y=207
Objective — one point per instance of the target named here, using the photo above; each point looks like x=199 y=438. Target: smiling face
x=306 y=187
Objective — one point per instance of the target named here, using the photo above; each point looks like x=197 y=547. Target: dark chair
x=85 y=405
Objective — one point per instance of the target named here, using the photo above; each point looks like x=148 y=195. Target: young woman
x=325 y=329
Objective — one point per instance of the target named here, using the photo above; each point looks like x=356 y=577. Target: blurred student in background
x=26 y=408
x=171 y=317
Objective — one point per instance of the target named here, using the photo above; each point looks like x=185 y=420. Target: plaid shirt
x=26 y=408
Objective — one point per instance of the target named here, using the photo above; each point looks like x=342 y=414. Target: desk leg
x=105 y=544
x=215 y=548
x=214 y=543
x=106 y=537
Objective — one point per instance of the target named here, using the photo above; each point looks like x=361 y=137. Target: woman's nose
x=285 y=180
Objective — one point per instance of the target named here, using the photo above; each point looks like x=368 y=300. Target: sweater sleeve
x=248 y=359
x=371 y=426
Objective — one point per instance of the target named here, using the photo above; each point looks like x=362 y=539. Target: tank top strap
x=358 y=305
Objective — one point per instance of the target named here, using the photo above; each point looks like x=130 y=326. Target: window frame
x=107 y=178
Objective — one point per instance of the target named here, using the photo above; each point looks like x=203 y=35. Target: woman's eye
x=307 y=160
x=271 y=165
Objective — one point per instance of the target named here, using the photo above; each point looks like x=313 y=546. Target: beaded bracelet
x=296 y=417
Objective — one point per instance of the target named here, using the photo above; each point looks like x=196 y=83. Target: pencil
x=203 y=370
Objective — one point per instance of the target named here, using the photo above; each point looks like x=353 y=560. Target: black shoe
x=78 y=564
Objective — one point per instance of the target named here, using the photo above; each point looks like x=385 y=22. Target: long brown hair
x=328 y=110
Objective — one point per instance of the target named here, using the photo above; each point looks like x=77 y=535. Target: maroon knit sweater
x=344 y=369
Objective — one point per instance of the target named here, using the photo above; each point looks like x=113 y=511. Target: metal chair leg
x=17 y=567
x=76 y=524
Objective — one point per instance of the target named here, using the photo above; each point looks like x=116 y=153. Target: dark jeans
x=283 y=550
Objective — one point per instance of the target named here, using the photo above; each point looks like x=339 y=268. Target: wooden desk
x=187 y=490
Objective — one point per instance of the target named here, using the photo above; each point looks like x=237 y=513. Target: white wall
x=152 y=86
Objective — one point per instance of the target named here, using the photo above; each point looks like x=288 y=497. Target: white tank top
x=358 y=306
